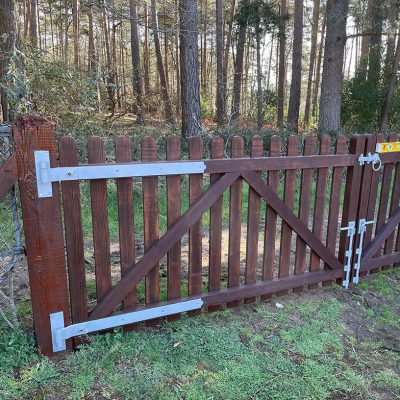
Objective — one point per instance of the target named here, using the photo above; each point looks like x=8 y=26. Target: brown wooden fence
x=248 y=227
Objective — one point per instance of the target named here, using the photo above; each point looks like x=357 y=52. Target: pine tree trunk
x=76 y=33
x=220 y=64
x=92 y=64
x=367 y=28
x=282 y=64
x=146 y=56
x=313 y=52
x=227 y=49
x=92 y=58
x=318 y=69
x=110 y=80
x=390 y=90
x=190 y=85
x=27 y=17
x=136 y=71
x=238 y=73
x=8 y=47
x=52 y=30
x=177 y=66
x=375 y=44
x=66 y=8
x=33 y=26
x=260 y=103
x=332 y=73
x=169 y=115
x=270 y=62
x=390 y=45
x=295 y=87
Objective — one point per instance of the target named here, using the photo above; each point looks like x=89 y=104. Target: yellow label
x=387 y=147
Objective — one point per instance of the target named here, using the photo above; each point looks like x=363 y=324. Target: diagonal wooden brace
x=380 y=238
x=154 y=254
x=290 y=218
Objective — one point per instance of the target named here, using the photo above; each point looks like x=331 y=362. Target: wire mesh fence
x=11 y=249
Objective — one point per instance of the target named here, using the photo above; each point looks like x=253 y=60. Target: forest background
x=200 y=66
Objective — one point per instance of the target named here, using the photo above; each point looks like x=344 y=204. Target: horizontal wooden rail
x=8 y=175
x=278 y=163
x=255 y=289
x=250 y=164
x=376 y=262
x=379 y=239
x=387 y=158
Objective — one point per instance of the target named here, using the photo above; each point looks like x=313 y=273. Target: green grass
x=303 y=350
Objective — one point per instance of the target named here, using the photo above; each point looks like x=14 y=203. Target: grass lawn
x=328 y=343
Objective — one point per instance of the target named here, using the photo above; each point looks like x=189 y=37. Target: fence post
x=42 y=223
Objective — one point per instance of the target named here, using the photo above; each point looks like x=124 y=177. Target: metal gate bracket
x=362 y=227
x=61 y=333
x=45 y=175
x=351 y=231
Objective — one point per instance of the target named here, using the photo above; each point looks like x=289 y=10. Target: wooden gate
x=381 y=247
x=281 y=216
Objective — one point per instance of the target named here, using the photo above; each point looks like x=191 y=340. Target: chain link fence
x=11 y=248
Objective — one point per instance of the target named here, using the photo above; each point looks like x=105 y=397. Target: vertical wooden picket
x=235 y=222
x=253 y=222
x=372 y=201
x=288 y=198
x=334 y=202
x=319 y=205
x=394 y=202
x=304 y=208
x=196 y=231
x=150 y=221
x=365 y=192
x=44 y=241
x=352 y=191
x=271 y=219
x=101 y=235
x=73 y=235
x=174 y=278
x=123 y=153
x=385 y=193
x=215 y=232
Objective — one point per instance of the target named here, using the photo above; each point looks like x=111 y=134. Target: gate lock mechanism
x=371 y=158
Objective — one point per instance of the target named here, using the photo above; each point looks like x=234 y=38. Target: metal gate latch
x=371 y=158
x=351 y=231
x=362 y=227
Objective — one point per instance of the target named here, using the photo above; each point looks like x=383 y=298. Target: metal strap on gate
x=351 y=231
x=45 y=175
x=362 y=227
x=60 y=333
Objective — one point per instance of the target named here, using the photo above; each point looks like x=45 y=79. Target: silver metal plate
x=42 y=166
x=60 y=333
x=351 y=231
x=362 y=227
x=46 y=175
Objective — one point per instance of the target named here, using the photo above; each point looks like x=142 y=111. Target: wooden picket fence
x=281 y=218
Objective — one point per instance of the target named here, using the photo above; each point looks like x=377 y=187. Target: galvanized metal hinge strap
x=362 y=227
x=351 y=231
x=60 y=333
x=45 y=175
